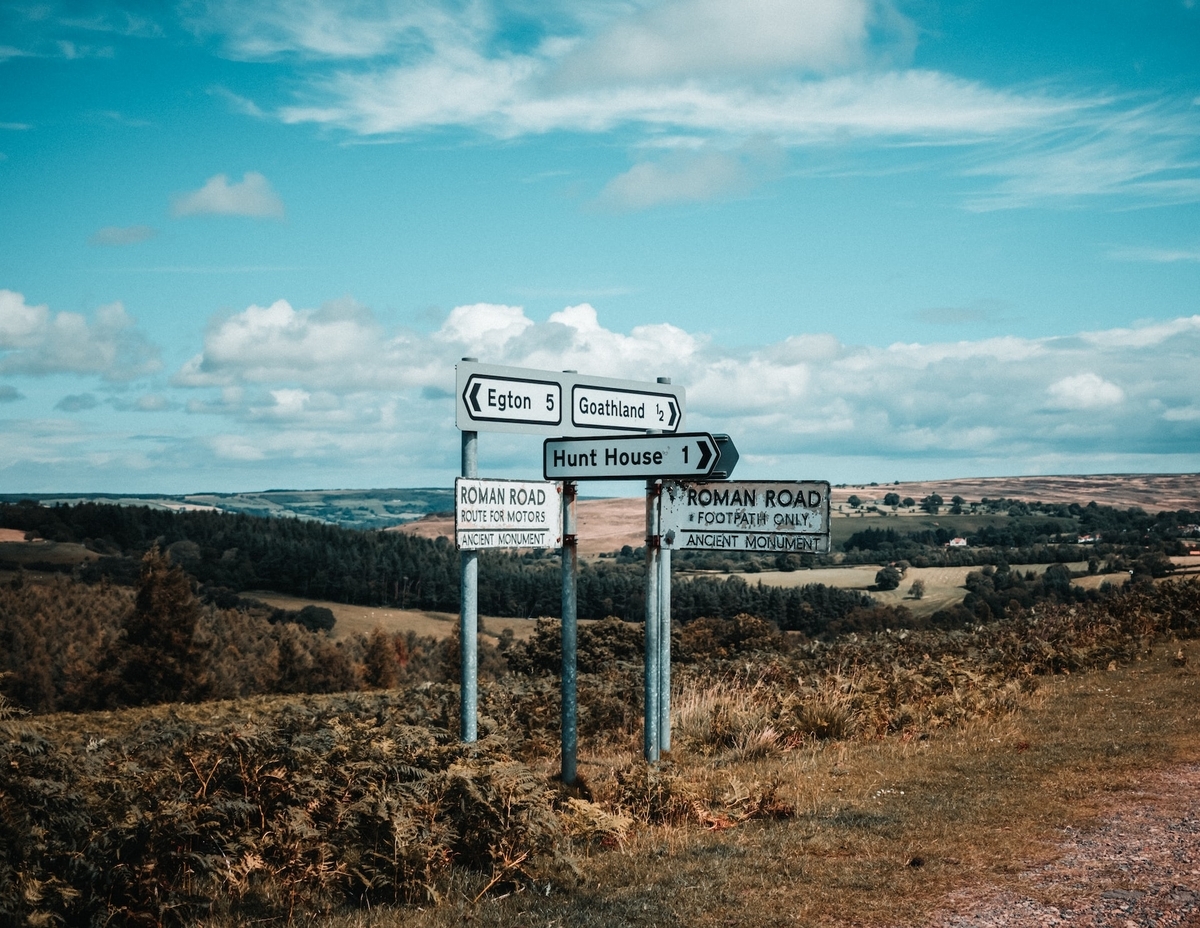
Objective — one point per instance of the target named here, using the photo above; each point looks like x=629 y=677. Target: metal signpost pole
x=653 y=711
x=664 y=648
x=468 y=611
x=570 y=565
x=664 y=635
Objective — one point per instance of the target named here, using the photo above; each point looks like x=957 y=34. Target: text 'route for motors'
x=490 y=513
x=507 y=399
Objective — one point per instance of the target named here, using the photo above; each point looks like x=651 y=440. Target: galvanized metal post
x=570 y=704
x=468 y=612
x=664 y=649
x=653 y=659
x=664 y=634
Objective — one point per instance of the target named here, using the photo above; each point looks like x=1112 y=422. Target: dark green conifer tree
x=156 y=658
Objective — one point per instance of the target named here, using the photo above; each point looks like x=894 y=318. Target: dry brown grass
x=362 y=620
x=883 y=829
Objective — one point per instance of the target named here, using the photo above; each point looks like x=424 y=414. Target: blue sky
x=242 y=244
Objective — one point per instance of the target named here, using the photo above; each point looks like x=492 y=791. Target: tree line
x=238 y=552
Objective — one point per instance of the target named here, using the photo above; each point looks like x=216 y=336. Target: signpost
x=507 y=514
x=632 y=457
x=492 y=398
x=649 y=457
x=776 y=515
x=513 y=399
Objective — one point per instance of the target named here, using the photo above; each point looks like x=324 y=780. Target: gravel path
x=1139 y=867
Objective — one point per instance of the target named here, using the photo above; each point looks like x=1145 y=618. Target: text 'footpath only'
x=632 y=457
x=511 y=399
x=507 y=514
x=773 y=515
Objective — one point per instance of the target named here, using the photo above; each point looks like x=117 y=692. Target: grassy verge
x=883 y=830
x=850 y=782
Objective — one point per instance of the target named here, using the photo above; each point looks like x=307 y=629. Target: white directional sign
x=507 y=514
x=493 y=399
x=630 y=457
x=514 y=399
x=628 y=410
x=742 y=516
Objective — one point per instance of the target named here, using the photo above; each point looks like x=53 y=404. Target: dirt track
x=1140 y=867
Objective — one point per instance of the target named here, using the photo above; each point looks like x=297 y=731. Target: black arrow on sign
x=671 y=406
x=705 y=455
x=727 y=457
x=474 y=400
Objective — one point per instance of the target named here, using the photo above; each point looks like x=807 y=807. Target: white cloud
x=1085 y=391
x=237 y=103
x=803 y=74
x=122 y=235
x=1108 y=148
x=35 y=341
x=1155 y=255
x=288 y=373
x=331 y=391
x=689 y=38
x=505 y=98
x=1183 y=414
x=484 y=327
x=338 y=347
x=315 y=28
x=254 y=196
x=681 y=179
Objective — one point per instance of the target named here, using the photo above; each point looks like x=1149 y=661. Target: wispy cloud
x=813 y=75
x=253 y=196
x=1147 y=154
x=122 y=235
x=77 y=402
x=690 y=176
x=1154 y=255
x=237 y=103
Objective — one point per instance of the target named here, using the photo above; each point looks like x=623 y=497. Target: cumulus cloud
x=337 y=372
x=1085 y=391
x=33 y=340
x=122 y=235
x=254 y=197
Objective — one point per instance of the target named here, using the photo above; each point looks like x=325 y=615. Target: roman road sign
x=491 y=398
x=507 y=514
x=630 y=457
x=775 y=515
